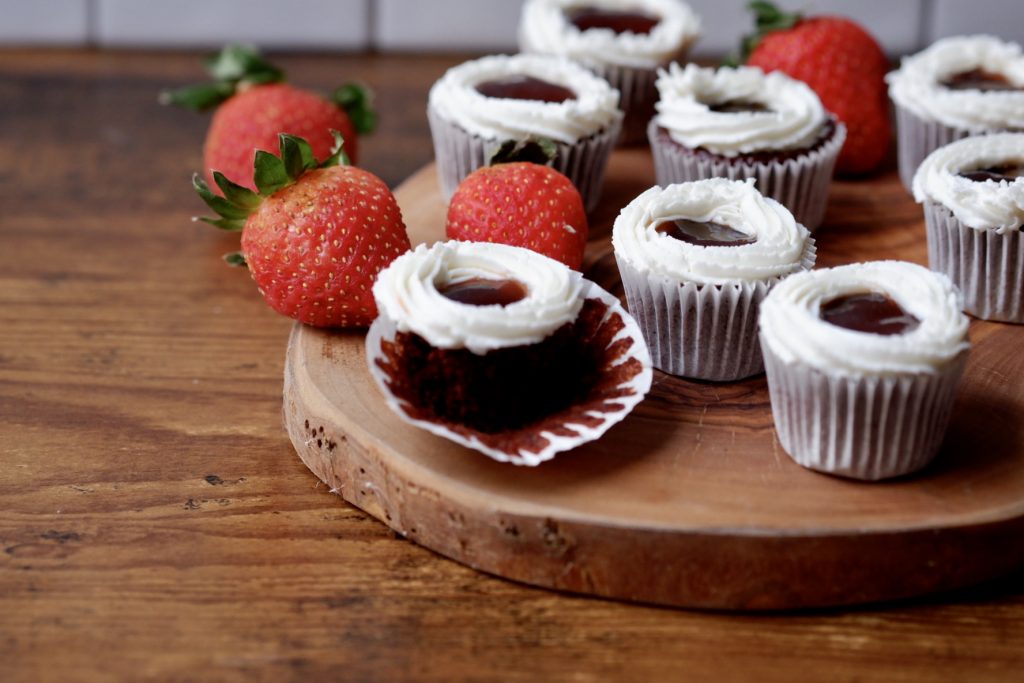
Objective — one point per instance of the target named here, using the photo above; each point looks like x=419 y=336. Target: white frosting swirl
x=407 y=292
x=783 y=246
x=791 y=324
x=917 y=85
x=594 y=108
x=987 y=205
x=794 y=121
x=545 y=28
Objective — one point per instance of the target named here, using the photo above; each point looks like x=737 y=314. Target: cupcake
x=478 y=105
x=503 y=350
x=743 y=123
x=863 y=364
x=973 y=196
x=961 y=86
x=623 y=41
x=696 y=260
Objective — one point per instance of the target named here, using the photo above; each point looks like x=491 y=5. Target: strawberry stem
x=230 y=68
x=767 y=19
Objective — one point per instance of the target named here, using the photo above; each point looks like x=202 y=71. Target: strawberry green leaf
x=540 y=151
x=767 y=19
x=297 y=155
x=222 y=206
x=242 y=63
x=235 y=259
x=235 y=193
x=198 y=97
x=357 y=101
x=270 y=174
x=338 y=156
x=229 y=224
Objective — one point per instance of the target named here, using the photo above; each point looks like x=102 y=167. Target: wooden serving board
x=690 y=501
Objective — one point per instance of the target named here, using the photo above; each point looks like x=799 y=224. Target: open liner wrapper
x=701 y=331
x=459 y=152
x=988 y=267
x=800 y=183
x=624 y=378
x=867 y=427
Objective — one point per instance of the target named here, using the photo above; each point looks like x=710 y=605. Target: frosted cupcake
x=863 y=364
x=478 y=105
x=973 y=196
x=743 y=123
x=623 y=41
x=503 y=350
x=966 y=85
x=696 y=260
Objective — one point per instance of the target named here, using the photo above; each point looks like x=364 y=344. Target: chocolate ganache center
x=478 y=291
x=704 y=234
x=620 y=21
x=524 y=87
x=874 y=313
x=996 y=173
x=738 y=106
x=979 y=79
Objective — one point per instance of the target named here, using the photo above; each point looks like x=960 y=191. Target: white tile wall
x=26 y=22
x=209 y=23
x=902 y=26
x=1003 y=18
x=446 y=24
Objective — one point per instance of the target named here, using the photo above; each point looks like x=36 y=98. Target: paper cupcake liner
x=986 y=266
x=638 y=94
x=801 y=184
x=458 y=153
x=871 y=427
x=625 y=380
x=916 y=139
x=704 y=332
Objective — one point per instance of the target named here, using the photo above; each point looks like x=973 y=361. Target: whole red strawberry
x=253 y=106
x=315 y=236
x=521 y=203
x=842 y=63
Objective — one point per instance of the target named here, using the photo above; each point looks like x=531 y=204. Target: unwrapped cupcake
x=696 y=260
x=623 y=41
x=743 y=123
x=973 y=196
x=503 y=350
x=863 y=365
x=478 y=105
x=960 y=86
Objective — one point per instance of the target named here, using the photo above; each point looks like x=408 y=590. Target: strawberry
x=315 y=236
x=254 y=106
x=522 y=203
x=841 y=62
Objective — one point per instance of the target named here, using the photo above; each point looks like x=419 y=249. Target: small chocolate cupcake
x=479 y=105
x=741 y=123
x=623 y=41
x=973 y=196
x=959 y=86
x=503 y=350
x=863 y=365
x=696 y=260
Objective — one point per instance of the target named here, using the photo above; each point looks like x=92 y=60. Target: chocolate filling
x=739 y=106
x=979 y=79
x=996 y=173
x=704 y=234
x=874 y=313
x=478 y=291
x=525 y=88
x=589 y=17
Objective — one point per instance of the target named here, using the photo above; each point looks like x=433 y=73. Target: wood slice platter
x=691 y=500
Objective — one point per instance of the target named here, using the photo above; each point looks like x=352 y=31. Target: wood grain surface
x=155 y=524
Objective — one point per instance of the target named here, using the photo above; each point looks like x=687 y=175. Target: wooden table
x=155 y=521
